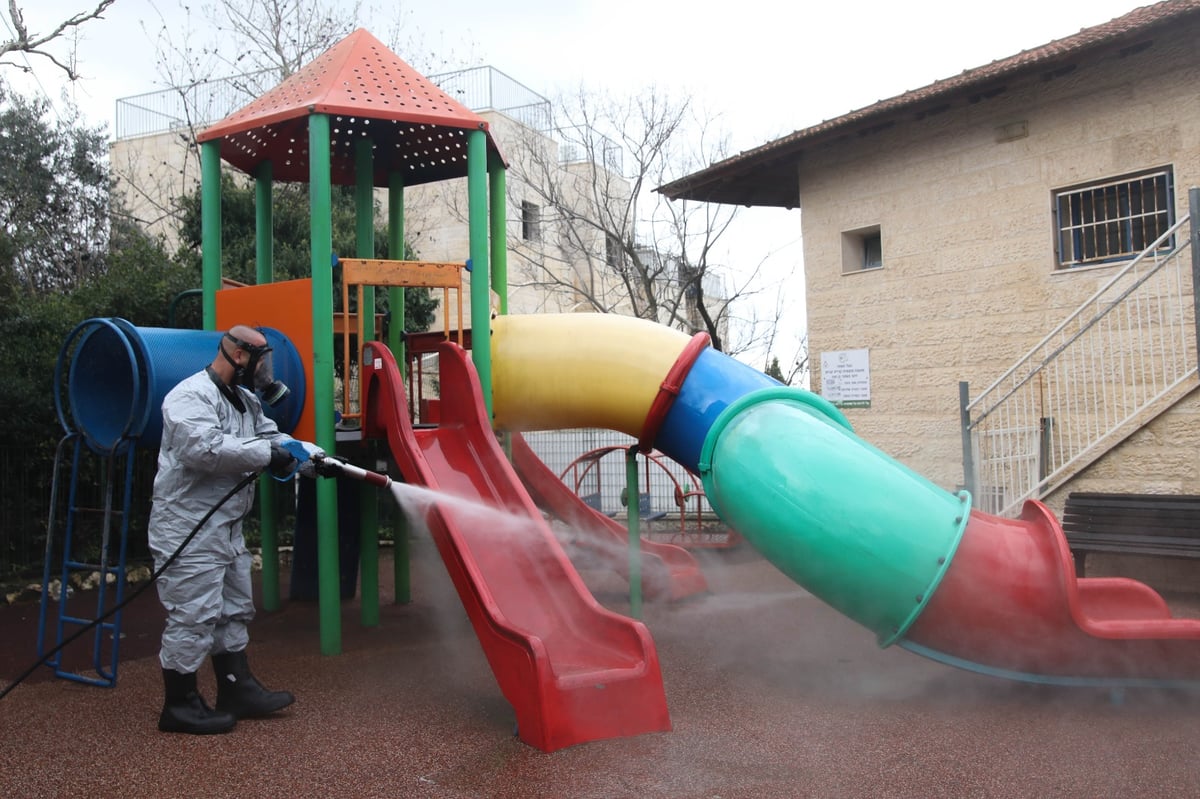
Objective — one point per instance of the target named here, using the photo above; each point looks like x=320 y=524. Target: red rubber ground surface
x=771 y=693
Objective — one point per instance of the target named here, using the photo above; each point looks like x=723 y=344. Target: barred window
x=1114 y=220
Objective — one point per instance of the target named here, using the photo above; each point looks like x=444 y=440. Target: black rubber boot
x=242 y=695
x=184 y=709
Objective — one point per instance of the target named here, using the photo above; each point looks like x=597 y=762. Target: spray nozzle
x=328 y=465
x=333 y=466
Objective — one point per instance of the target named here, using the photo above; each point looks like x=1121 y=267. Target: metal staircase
x=1126 y=355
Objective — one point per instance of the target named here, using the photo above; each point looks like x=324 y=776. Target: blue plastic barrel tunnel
x=117 y=376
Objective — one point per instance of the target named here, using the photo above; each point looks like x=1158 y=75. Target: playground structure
x=909 y=561
x=666 y=570
x=585 y=476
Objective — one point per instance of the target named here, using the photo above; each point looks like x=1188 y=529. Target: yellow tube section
x=556 y=371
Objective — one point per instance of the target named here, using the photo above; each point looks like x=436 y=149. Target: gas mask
x=258 y=374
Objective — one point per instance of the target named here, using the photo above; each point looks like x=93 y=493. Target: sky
x=759 y=69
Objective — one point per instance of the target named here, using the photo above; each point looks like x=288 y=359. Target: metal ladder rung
x=111 y=511
x=104 y=625
x=79 y=565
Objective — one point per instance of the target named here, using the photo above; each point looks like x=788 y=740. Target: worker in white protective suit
x=215 y=434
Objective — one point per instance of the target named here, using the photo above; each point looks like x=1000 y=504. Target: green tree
x=54 y=194
x=773 y=369
x=290 y=240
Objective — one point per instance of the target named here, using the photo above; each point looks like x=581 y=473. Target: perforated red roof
x=367 y=91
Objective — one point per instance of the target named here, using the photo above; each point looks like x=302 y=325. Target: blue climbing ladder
x=90 y=551
x=87 y=533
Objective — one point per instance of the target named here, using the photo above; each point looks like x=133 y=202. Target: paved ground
x=771 y=694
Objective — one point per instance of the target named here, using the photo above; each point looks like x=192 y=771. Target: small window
x=1114 y=220
x=862 y=250
x=614 y=254
x=531 y=221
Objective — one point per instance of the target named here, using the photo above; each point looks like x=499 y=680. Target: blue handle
x=298 y=451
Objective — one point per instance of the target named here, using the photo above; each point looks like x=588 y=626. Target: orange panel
x=287 y=307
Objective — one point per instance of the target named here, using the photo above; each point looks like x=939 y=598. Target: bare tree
x=27 y=42
x=223 y=55
x=277 y=37
x=797 y=364
x=594 y=234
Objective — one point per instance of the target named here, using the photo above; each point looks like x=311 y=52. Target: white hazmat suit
x=208 y=447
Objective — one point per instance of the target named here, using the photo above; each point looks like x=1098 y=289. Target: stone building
x=1021 y=226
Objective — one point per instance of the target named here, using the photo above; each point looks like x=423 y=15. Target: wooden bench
x=1136 y=524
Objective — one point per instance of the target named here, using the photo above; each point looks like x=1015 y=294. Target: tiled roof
x=763 y=176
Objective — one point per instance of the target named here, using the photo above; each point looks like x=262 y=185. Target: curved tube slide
x=878 y=542
x=572 y=670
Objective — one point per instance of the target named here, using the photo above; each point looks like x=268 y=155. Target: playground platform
x=771 y=694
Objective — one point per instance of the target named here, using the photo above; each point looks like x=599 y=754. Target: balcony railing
x=204 y=102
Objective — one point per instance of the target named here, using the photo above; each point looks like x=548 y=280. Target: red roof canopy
x=368 y=91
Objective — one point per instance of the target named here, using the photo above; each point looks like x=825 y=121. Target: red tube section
x=1010 y=605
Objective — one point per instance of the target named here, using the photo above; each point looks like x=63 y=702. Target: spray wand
x=333 y=466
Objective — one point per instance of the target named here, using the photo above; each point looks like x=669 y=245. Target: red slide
x=667 y=570
x=572 y=670
x=1011 y=605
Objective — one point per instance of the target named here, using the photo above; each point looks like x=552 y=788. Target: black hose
x=25 y=674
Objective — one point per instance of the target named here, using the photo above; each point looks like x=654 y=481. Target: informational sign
x=846 y=378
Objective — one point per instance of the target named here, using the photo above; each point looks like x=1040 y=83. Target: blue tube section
x=714 y=383
x=119 y=375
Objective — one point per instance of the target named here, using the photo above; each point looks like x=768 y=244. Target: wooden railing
x=362 y=272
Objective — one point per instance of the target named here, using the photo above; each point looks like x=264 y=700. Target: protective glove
x=329 y=465
x=281 y=459
x=308 y=466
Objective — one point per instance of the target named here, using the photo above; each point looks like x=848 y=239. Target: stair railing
x=1124 y=356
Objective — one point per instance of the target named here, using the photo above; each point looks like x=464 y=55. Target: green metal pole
x=210 y=229
x=397 y=251
x=481 y=316
x=401 y=568
x=264 y=227
x=499 y=215
x=264 y=268
x=632 y=512
x=499 y=252
x=320 y=209
x=368 y=498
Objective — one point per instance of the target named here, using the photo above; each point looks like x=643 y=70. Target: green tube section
x=859 y=530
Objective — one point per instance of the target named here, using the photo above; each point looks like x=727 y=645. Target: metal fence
x=604 y=480
x=24 y=504
x=25 y=497
x=201 y=103
x=1126 y=354
x=184 y=107
x=488 y=89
